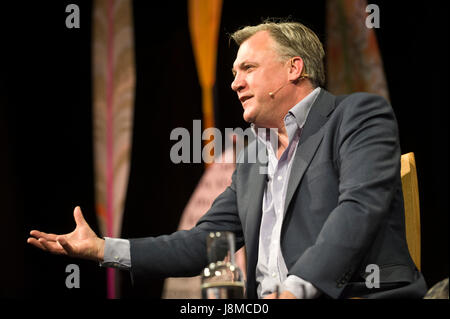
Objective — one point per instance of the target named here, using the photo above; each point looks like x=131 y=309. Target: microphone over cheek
x=272 y=94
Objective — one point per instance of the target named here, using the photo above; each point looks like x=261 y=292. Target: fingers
x=38 y=234
x=50 y=246
x=58 y=246
x=47 y=242
x=53 y=247
x=287 y=295
x=38 y=237
x=36 y=243
x=61 y=240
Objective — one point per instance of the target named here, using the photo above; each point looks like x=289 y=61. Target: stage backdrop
x=113 y=80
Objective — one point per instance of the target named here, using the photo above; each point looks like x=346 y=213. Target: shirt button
x=274 y=275
x=116 y=258
x=279 y=177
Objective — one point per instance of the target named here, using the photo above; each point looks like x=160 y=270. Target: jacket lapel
x=253 y=217
x=257 y=186
x=308 y=143
x=310 y=139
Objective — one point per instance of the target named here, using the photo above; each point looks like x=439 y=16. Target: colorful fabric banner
x=113 y=104
x=354 y=63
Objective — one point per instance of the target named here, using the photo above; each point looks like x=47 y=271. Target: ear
x=295 y=69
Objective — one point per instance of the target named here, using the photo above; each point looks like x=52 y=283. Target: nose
x=238 y=83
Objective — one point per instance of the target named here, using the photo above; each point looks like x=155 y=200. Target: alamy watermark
x=73 y=19
x=189 y=149
x=373 y=277
x=73 y=279
x=373 y=19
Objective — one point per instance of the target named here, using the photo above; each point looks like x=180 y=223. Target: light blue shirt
x=271 y=271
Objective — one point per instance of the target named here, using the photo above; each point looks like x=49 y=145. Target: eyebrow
x=241 y=66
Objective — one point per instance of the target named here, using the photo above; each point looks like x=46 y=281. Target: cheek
x=259 y=85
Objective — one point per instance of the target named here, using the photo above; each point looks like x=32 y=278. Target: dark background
x=46 y=166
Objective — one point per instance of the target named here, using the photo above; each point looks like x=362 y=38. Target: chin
x=249 y=115
x=248 y=118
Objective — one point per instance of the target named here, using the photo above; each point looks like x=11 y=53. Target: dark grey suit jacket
x=344 y=208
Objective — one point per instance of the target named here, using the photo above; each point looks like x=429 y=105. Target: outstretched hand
x=81 y=243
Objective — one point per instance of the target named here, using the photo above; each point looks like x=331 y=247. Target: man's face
x=258 y=70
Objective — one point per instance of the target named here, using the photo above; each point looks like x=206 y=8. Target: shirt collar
x=301 y=110
x=295 y=118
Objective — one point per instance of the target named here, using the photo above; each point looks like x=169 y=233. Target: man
x=330 y=204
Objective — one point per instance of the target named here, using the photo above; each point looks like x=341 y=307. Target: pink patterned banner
x=113 y=105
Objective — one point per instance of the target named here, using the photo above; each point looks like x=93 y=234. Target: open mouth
x=244 y=98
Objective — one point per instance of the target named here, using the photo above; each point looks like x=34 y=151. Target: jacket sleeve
x=368 y=151
x=183 y=253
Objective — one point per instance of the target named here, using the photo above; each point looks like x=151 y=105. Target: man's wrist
x=100 y=249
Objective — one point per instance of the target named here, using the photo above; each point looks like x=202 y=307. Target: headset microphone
x=272 y=94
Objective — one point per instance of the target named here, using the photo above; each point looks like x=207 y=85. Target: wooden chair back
x=412 y=209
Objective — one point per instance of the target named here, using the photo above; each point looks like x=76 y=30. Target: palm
x=81 y=239
x=82 y=242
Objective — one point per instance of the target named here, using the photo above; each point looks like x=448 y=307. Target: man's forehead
x=257 y=45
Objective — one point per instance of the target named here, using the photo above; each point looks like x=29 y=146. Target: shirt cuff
x=117 y=253
x=300 y=288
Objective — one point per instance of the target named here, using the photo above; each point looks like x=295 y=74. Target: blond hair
x=292 y=39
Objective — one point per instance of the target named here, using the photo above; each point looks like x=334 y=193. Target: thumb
x=79 y=219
